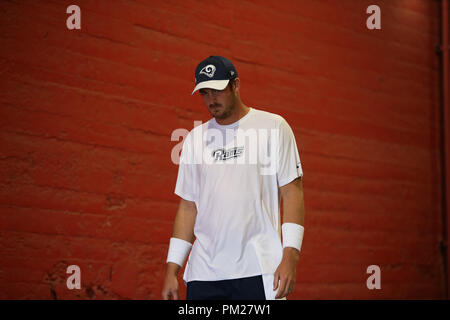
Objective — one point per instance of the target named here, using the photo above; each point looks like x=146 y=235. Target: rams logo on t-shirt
x=224 y=154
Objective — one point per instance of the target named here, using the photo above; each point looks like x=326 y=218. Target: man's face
x=220 y=103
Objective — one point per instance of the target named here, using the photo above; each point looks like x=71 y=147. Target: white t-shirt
x=233 y=174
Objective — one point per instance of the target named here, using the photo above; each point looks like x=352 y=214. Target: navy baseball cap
x=214 y=72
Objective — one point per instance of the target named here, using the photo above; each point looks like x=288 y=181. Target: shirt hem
x=225 y=278
x=184 y=196
x=288 y=180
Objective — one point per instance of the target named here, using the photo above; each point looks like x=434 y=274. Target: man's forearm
x=183 y=226
x=182 y=236
x=293 y=211
x=293 y=203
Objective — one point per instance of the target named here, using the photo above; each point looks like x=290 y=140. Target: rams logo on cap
x=208 y=70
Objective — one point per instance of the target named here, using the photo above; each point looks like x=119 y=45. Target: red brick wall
x=86 y=176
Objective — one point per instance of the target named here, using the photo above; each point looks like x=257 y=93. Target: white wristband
x=178 y=251
x=292 y=235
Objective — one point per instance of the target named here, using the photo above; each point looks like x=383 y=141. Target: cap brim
x=212 y=84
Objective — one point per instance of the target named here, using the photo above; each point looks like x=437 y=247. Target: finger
x=276 y=279
x=279 y=294
x=175 y=294
x=282 y=290
x=165 y=296
x=286 y=291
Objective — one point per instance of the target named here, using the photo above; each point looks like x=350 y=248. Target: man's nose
x=210 y=99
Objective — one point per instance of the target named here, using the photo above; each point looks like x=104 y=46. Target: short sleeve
x=289 y=165
x=186 y=180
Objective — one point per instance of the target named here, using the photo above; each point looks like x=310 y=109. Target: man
x=230 y=189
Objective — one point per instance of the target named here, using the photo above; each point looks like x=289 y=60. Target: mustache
x=215 y=105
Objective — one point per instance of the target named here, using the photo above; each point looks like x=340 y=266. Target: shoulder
x=268 y=116
x=198 y=129
x=195 y=136
x=270 y=119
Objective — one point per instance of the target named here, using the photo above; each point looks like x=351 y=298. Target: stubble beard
x=227 y=110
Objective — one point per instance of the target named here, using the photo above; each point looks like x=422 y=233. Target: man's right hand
x=170 y=286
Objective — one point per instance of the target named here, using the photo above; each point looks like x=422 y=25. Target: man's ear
x=236 y=85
